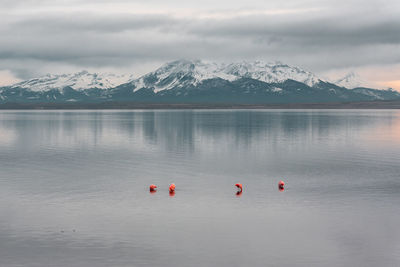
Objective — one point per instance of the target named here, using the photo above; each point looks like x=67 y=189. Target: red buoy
x=172 y=188
x=240 y=187
x=153 y=188
x=281 y=184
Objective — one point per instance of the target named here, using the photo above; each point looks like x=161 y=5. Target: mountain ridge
x=191 y=81
x=78 y=81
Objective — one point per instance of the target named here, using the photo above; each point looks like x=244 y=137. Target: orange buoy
x=153 y=188
x=281 y=184
x=240 y=187
x=172 y=188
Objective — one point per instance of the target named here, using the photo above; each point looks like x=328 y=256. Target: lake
x=74 y=188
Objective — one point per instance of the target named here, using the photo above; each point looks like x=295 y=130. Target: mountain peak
x=351 y=80
x=272 y=72
x=183 y=65
x=181 y=73
x=78 y=81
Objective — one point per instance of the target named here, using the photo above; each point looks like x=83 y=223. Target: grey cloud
x=83 y=22
x=317 y=31
x=319 y=40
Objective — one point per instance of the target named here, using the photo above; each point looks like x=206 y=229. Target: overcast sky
x=326 y=37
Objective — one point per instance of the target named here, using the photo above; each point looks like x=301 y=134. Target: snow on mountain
x=350 y=81
x=176 y=74
x=185 y=73
x=181 y=73
x=186 y=81
x=78 y=81
x=271 y=72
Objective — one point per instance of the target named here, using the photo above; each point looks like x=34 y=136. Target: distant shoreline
x=134 y=105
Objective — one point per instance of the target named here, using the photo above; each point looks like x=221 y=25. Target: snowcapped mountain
x=181 y=73
x=176 y=74
x=195 y=81
x=270 y=72
x=78 y=81
x=184 y=73
x=350 y=81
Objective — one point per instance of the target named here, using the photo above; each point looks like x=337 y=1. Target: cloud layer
x=321 y=36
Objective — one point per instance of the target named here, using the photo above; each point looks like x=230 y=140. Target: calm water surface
x=74 y=188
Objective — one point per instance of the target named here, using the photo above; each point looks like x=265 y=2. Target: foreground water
x=74 y=188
